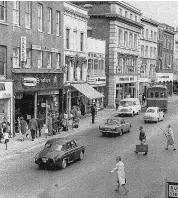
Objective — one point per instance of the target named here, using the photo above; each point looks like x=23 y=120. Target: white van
x=129 y=106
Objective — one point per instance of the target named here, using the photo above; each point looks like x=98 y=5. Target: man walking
x=142 y=137
x=33 y=126
x=121 y=179
x=170 y=138
x=93 y=112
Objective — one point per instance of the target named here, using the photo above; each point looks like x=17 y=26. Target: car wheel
x=64 y=164
x=81 y=155
x=121 y=132
x=41 y=166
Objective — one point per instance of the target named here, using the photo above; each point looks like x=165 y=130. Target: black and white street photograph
x=89 y=99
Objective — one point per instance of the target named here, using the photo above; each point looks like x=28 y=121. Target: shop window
x=3 y=10
x=156 y=94
x=151 y=95
x=16 y=57
x=67 y=38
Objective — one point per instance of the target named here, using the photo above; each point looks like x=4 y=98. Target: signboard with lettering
x=96 y=80
x=23 y=49
x=172 y=189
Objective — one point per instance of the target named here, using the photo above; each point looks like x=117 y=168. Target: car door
x=69 y=152
x=75 y=149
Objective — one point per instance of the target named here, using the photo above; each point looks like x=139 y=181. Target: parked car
x=153 y=114
x=129 y=106
x=116 y=126
x=58 y=152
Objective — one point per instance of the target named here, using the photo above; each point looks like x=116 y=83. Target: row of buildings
x=54 y=55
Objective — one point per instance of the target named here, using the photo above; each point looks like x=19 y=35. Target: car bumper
x=108 y=131
x=47 y=163
x=150 y=119
x=125 y=113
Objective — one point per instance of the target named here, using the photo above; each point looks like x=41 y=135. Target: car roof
x=129 y=99
x=59 y=140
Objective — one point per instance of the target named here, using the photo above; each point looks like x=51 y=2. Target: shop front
x=6 y=102
x=37 y=94
x=166 y=79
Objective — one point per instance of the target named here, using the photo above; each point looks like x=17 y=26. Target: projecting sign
x=172 y=189
x=30 y=82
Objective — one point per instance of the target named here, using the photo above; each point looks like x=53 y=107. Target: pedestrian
x=82 y=108
x=33 y=126
x=170 y=137
x=142 y=137
x=121 y=179
x=143 y=99
x=1 y=135
x=24 y=127
x=50 y=125
x=9 y=129
x=93 y=111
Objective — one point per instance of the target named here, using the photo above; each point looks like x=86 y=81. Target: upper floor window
x=81 y=41
x=16 y=12
x=131 y=16
x=146 y=33
x=40 y=17
x=120 y=37
x=135 y=41
x=155 y=35
x=75 y=46
x=40 y=59
x=58 y=23
x=151 y=35
x=29 y=58
x=126 y=14
x=49 y=59
x=58 y=60
x=3 y=59
x=154 y=52
x=136 y=18
x=151 y=52
x=16 y=57
x=142 y=50
x=125 y=39
x=131 y=40
x=3 y=10
x=28 y=14
x=120 y=11
x=67 y=38
x=49 y=20
x=146 y=51
x=142 y=32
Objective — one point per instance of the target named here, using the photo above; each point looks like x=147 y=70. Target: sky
x=161 y=11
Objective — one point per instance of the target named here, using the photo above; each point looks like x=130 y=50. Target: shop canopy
x=87 y=90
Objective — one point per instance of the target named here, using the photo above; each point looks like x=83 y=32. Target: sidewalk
x=15 y=146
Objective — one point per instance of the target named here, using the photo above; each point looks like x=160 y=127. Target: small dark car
x=58 y=152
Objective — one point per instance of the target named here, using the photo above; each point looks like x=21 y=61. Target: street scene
x=88 y=99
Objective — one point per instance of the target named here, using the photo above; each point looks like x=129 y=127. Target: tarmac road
x=21 y=178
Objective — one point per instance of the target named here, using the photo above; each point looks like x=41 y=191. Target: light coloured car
x=115 y=125
x=129 y=106
x=153 y=114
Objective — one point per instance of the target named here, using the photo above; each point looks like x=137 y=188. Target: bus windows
x=156 y=94
x=151 y=95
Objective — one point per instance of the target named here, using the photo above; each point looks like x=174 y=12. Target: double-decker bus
x=157 y=96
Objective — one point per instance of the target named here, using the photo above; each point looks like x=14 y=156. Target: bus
x=157 y=96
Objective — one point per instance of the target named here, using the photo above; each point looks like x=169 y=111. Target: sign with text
x=23 y=48
x=172 y=189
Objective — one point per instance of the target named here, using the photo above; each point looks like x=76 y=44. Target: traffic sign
x=172 y=189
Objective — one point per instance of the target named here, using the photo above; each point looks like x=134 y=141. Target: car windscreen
x=53 y=146
x=112 y=122
x=126 y=103
x=150 y=111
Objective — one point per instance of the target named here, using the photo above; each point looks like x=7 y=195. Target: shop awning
x=87 y=90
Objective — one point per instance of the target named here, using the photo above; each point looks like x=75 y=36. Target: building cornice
x=73 y=12
x=39 y=71
x=117 y=17
x=150 y=21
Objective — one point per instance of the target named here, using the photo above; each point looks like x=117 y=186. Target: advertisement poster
x=172 y=189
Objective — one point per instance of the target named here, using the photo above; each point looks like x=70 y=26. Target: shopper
x=121 y=179
x=83 y=110
x=33 y=126
x=93 y=113
x=142 y=137
x=170 y=137
x=50 y=125
x=24 y=128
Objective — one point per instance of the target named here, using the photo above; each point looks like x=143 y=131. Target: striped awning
x=87 y=90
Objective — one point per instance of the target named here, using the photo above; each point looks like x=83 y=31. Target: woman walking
x=24 y=128
x=170 y=138
x=121 y=180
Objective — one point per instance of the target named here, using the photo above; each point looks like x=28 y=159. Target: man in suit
x=93 y=112
x=33 y=126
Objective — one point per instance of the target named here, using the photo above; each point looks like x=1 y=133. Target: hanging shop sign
x=23 y=48
x=96 y=80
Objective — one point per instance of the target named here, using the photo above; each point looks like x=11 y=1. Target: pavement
x=16 y=146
